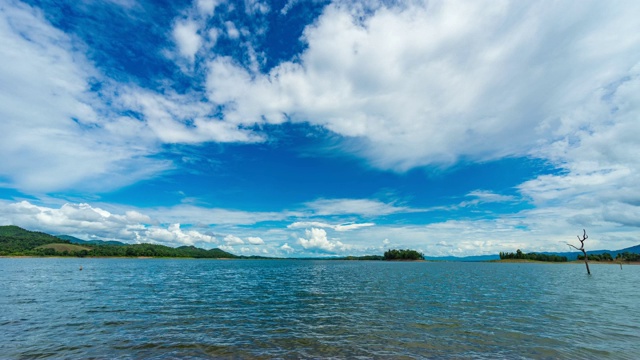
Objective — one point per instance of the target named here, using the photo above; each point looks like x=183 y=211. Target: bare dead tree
x=584 y=237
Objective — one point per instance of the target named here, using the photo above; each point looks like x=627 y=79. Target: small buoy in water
x=80 y=268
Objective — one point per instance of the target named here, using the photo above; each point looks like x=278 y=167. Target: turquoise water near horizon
x=290 y=309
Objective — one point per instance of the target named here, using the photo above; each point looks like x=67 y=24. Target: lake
x=165 y=308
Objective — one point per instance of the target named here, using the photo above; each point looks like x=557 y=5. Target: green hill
x=15 y=240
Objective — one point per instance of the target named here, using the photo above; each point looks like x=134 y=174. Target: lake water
x=163 y=309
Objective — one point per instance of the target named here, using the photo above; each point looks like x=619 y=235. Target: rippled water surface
x=160 y=309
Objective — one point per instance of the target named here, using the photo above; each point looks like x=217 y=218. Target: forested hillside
x=16 y=241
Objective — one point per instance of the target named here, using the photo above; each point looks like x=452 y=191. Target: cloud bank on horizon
x=323 y=127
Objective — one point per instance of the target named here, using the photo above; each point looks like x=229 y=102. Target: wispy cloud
x=495 y=82
x=338 y=227
x=485 y=196
x=54 y=131
x=363 y=207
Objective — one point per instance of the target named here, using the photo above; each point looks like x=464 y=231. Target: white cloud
x=317 y=241
x=206 y=7
x=286 y=248
x=176 y=118
x=185 y=34
x=364 y=207
x=232 y=31
x=86 y=221
x=254 y=240
x=50 y=116
x=233 y=240
x=612 y=226
x=429 y=83
x=317 y=224
x=174 y=235
x=256 y=6
x=484 y=196
x=288 y=6
x=227 y=248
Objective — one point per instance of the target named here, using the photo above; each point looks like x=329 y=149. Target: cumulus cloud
x=286 y=248
x=254 y=240
x=174 y=235
x=232 y=31
x=233 y=240
x=316 y=240
x=89 y=222
x=206 y=7
x=185 y=34
x=429 y=83
x=600 y=181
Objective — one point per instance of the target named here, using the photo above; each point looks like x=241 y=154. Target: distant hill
x=20 y=233
x=15 y=240
x=75 y=240
x=463 y=259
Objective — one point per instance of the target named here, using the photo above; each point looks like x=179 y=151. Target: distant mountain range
x=75 y=240
x=14 y=238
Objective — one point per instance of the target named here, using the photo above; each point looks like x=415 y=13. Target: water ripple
x=198 y=309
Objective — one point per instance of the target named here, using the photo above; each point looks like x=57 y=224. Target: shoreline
x=505 y=261
x=581 y=262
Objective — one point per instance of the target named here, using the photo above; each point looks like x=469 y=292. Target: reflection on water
x=148 y=308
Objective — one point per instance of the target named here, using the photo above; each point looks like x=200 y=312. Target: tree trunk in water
x=581 y=248
x=586 y=263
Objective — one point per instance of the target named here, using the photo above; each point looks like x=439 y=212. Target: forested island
x=393 y=254
x=519 y=255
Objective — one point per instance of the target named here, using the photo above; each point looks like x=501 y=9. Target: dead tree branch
x=581 y=248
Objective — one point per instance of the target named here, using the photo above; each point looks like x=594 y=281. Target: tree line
x=532 y=256
x=135 y=250
x=406 y=254
x=625 y=256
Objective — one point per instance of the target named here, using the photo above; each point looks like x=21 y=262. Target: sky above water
x=318 y=128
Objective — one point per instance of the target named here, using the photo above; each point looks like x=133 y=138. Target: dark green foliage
x=532 y=256
x=365 y=257
x=407 y=254
x=627 y=256
x=15 y=240
x=597 y=257
x=151 y=250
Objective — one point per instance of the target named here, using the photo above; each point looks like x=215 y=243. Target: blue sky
x=318 y=128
